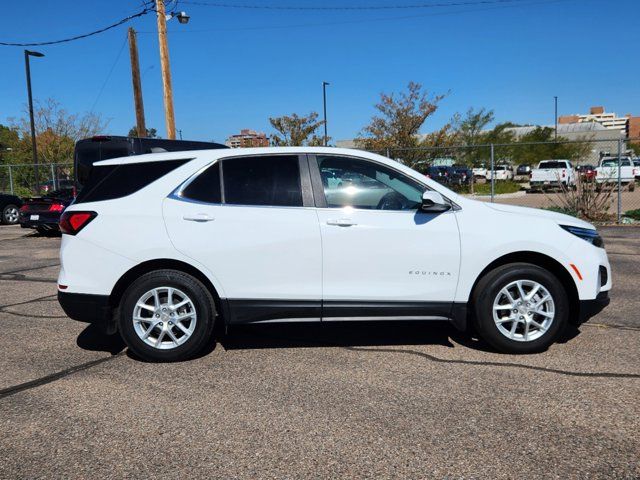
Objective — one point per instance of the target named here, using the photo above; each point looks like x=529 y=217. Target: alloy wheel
x=164 y=318
x=523 y=310
x=11 y=215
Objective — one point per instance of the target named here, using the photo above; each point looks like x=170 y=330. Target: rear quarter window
x=116 y=181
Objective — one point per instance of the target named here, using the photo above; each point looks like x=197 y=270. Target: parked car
x=502 y=172
x=464 y=173
x=256 y=235
x=479 y=172
x=104 y=147
x=608 y=172
x=445 y=175
x=523 y=170
x=43 y=213
x=586 y=172
x=552 y=174
x=50 y=185
x=636 y=163
x=9 y=205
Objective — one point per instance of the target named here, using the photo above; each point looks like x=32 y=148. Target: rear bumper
x=590 y=308
x=94 y=309
x=46 y=220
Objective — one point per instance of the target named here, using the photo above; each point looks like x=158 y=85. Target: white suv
x=158 y=247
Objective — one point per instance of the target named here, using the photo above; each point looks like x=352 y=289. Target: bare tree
x=57 y=130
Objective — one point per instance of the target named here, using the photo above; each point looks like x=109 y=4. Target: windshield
x=613 y=162
x=552 y=164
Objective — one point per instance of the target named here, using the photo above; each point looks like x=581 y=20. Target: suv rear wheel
x=520 y=308
x=166 y=316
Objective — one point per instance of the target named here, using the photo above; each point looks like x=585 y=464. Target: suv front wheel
x=166 y=316
x=520 y=308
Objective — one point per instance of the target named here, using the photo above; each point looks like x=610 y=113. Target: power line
x=85 y=35
x=352 y=7
x=106 y=80
x=361 y=20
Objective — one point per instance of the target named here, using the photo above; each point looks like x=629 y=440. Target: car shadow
x=94 y=339
x=337 y=334
x=316 y=334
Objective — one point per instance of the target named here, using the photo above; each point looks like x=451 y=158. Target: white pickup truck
x=552 y=174
x=607 y=172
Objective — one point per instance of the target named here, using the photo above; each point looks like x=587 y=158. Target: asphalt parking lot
x=413 y=400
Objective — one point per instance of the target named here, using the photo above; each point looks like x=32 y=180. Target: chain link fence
x=591 y=179
x=21 y=179
x=598 y=183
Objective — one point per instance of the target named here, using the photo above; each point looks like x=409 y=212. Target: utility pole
x=166 y=70
x=556 y=116
x=137 y=85
x=324 y=106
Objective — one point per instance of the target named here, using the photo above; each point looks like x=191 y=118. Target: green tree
x=296 y=131
x=151 y=132
x=398 y=122
x=470 y=129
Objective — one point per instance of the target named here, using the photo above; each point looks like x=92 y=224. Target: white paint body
x=609 y=174
x=295 y=253
x=564 y=174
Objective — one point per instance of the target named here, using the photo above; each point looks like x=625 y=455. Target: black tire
x=488 y=289
x=5 y=215
x=204 y=307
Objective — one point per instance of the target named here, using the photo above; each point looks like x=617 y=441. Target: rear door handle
x=342 y=222
x=198 y=217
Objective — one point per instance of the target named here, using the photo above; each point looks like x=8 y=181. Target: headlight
x=587 y=234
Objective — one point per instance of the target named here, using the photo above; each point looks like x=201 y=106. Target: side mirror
x=433 y=202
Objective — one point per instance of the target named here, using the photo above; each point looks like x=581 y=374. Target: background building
x=628 y=125
x=246 y=139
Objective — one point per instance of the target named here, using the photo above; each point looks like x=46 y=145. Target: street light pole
x=324 y=105
x=166 y=70
x=27 y=54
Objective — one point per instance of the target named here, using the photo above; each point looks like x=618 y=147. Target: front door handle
x=342 y=222
x=198 y=217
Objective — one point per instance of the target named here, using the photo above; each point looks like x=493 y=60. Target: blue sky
x=234 y=69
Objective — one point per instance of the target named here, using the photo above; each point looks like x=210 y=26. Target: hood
x=559 y=218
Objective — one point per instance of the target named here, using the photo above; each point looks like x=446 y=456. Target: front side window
x=351 y=182
x=272 y=180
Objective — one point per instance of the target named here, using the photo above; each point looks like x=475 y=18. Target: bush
x=635 y=214
x=566 y=211
x=501 y=186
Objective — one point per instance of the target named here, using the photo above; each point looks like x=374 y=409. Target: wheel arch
x=163 y=264
x=541 y=260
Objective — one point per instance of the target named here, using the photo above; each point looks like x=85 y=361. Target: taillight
x=56 y=207
x=564 y=173
x=72 y=222
x=24 y=208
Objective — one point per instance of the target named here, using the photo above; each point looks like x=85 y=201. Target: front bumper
x=590 y=308
x=94 y=309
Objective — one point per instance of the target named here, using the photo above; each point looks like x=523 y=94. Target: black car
x=523 y=169
x=103 y=147
x=444 y=175
x=464 y=173
x=9 y=205
x=43 y=213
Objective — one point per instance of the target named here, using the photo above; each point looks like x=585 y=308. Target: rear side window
x=262 y=180
x=117 y=181
x=205 y=187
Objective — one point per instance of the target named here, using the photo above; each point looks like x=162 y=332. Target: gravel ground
x=371 y=400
